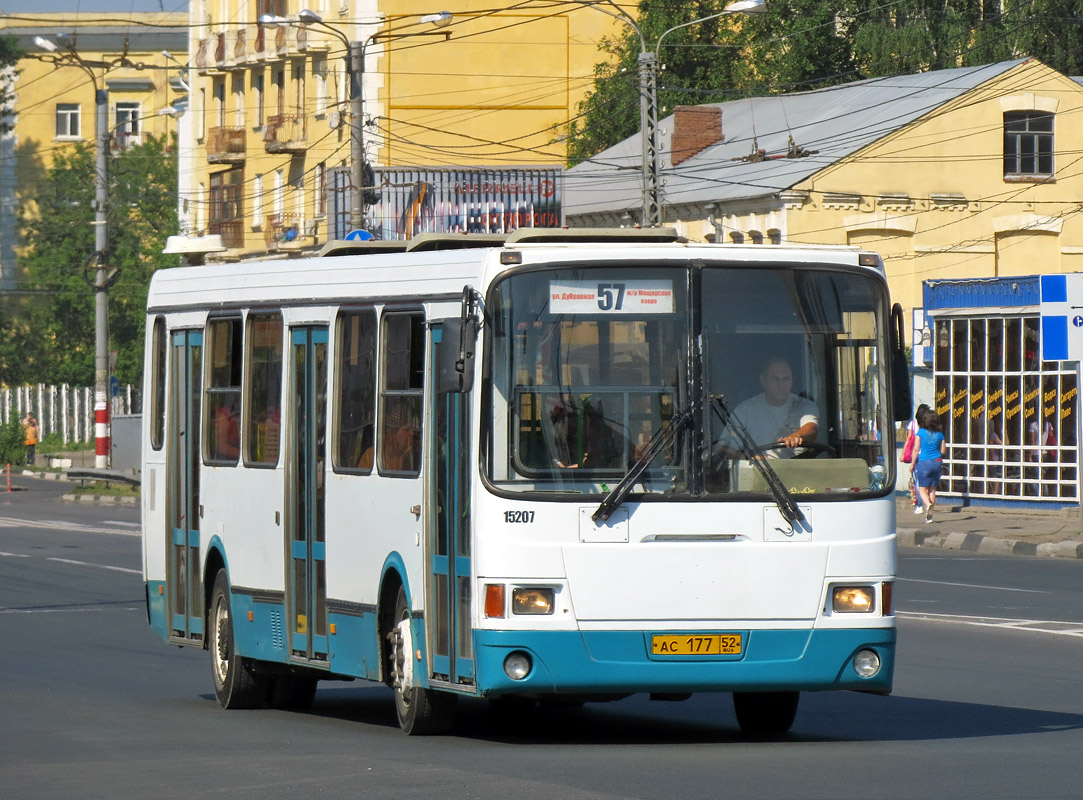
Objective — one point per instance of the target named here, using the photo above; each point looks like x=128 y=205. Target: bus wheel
x=420 y=711
x=765 y=713
x=292 y=692
x=235 y=684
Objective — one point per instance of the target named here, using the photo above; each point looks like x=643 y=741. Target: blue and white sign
x=1062 y=317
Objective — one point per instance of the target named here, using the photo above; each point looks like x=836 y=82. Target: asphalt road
x=988 y=701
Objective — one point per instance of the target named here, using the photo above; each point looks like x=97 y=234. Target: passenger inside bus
x=402 y=441
x=227 y=436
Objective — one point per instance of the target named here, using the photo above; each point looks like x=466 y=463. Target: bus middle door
x=306 y=564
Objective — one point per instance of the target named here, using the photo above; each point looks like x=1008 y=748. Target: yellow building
x=271 y=123
x=54 y=96
x=962 y=173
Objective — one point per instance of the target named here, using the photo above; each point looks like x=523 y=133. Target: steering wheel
x=810 y=449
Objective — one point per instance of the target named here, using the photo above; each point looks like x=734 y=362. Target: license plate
x=696 y=644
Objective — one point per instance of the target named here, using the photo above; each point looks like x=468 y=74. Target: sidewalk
x=995 y=531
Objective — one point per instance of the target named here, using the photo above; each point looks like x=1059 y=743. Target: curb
x=989 y=545
x=100 y=499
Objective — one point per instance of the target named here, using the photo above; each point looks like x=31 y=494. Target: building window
x=67 y=121
x=227 y=206
x=1028 y=143
x=1010 y=419
x=257 y=89
x=319 y=201
x=126 y=117
x=319 y=70
x=257 y=202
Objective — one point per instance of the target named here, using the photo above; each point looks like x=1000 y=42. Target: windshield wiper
x=786 y=505
x=661 y=440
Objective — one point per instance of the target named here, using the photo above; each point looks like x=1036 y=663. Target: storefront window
x=1011 y=418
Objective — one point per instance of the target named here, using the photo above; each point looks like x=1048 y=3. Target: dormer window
x=1028 y=144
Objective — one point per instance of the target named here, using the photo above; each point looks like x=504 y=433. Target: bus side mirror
x=455 y=355
x=900 y=370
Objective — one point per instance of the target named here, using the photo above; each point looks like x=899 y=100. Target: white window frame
x=71 y=113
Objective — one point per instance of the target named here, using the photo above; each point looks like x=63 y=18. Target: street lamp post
x=355 y=70
x=101 y=239
x=648 y=98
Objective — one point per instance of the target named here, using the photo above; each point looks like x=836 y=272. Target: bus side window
x=403 y=355
x=222 y=433
x=263 y=388
x=159 y=345
x=355 y=403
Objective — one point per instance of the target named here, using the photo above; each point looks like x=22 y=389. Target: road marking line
x=57 y=525
x=13 y=555
x=99 y=566
x=1055 y=627
x=972 y=586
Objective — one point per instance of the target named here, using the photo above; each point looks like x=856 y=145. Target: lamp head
x=272 y=19
x=441 y=19
x=45 y=44
x=746 y=7
x=309 y=17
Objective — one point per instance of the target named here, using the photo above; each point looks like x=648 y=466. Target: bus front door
x=307 y=576
x=185 y=387
x=450 y=632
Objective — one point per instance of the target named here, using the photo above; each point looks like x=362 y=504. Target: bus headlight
x=532 y=601
x=866 y=663
x=853 y=599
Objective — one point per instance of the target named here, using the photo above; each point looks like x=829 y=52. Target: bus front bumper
x=621 y=662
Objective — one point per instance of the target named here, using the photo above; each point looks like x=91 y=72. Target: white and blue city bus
x=491 y=467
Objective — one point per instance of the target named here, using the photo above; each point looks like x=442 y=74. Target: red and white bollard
x=101 y=434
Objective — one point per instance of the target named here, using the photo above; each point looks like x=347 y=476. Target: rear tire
x=292 y=692
x=235 y=684
x=420 y=711
x=765 y=713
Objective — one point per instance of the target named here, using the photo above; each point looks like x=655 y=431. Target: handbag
x=913 y=491
x=908 y=448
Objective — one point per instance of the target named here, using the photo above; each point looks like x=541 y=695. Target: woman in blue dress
x=928 y=460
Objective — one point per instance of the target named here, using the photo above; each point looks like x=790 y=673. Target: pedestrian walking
x=908 y=455
x=33 y=434
x=928 y=464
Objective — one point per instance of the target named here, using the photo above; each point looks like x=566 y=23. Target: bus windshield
x=587 y=364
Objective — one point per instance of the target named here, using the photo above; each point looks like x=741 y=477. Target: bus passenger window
x=223 y=397
x=356 y=391
x=263 y=388
x=159 y=342
x=401 y=392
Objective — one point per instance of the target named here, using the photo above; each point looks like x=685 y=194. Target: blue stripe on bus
x=620 y=661
x=156 y=608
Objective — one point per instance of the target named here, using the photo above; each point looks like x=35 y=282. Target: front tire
x=235 y=684
x=765 y=713
x=420 y=711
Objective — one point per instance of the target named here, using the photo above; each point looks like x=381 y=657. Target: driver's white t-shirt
x=767 y=423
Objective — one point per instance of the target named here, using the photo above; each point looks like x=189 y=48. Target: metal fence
x=66 y=410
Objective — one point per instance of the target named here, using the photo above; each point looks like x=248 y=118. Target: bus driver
x=775 y=415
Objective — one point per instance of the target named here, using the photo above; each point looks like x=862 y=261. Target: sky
x=122 y=7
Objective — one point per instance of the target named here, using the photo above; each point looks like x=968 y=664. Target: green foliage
x=59 y=235
x=804 y=44
x=12 y=443
x=9 y=55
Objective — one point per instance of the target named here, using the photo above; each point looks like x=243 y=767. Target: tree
x=9 y=56
x=806 y=44
x=59 y=235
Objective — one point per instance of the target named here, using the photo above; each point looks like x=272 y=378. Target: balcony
x=226 y=145
x=281 y=232
x=231 y=231
x=285 y=133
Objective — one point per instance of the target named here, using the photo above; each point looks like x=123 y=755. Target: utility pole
x=355 y=62
x=98 y=261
